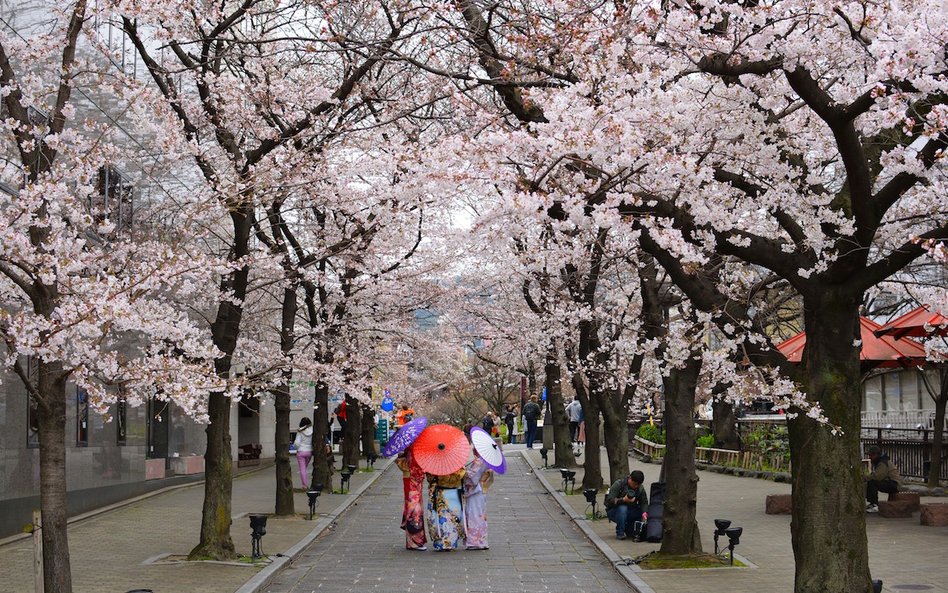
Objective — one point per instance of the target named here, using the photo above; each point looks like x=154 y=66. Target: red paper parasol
x=876 y=351
x=918 y=323
x=441 y=449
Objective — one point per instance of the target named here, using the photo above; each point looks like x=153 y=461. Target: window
x=114 y=199
x=910 y=389
x=893 y=391
x=82 y=417
x=121 y=421
x=873 y=394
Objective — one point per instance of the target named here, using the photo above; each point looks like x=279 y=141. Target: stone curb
x=266 y=575
x=621 y=565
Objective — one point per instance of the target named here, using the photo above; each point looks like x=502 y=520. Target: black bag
x=653 y=529
x=657 y=492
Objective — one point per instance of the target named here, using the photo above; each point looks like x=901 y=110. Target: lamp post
x=258 y=527
x=720 y=525
x=569 y=477
x=313 y=495
x=734 y=538
x=590 y=494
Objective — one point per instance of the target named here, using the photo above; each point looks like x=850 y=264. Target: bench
x=778 y=504
x=249 y=454
x=911 y=497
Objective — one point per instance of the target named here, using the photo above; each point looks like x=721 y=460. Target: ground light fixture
x=590 y=494
x=733 y=539
x=720 y=525
x=876 y=586
x=344 y=476
x=313 y=495
x=258 y=529
x=371 y=459
x=545 y=454
x=569 y=477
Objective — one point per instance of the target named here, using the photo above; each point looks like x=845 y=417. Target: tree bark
x=938 y=432
x=616 y=437
x=284 y=473
x=368 y=430
x=723 y=425
x=828 y=527
x=281 y=403
x=215 y=542
x=592 y=472
x=562 y=448
x=321 y=474
x=51 y=417
x=680 y=534
x=350 y=441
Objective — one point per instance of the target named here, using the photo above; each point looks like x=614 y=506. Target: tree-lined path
x=534 y=547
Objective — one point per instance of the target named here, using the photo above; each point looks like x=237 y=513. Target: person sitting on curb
x=883 y=478
x=625 y=503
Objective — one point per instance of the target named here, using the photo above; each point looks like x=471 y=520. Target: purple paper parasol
x=405 y=436
x=488 y=449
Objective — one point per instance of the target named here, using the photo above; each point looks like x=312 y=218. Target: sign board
x=381 y=431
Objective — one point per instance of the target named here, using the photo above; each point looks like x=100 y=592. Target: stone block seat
x=895 y=509
x=778 y=504
x=934 y=514
x=912 y=497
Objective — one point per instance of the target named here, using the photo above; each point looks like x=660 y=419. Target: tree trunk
x=322 y=474
x=368 y=431
x=680 y=534
x=592 y=472
x=828 y=527
x=216 y=542
x=284 y=472
x=616 y=436
x=350 y=440
x=723 y=425
x=51 y=416
x=938 y=432
x=562 y=448
x=281 y=404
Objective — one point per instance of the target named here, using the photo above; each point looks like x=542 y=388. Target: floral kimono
x=476 y=481
x=445 y=518
x=413 y=478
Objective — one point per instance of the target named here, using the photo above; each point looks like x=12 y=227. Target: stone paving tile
x=534 y=547
x=107 y=550
x=901 y=552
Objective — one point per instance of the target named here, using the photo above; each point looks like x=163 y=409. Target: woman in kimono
x=445 y=518
x=413 y=479
x=477 y=480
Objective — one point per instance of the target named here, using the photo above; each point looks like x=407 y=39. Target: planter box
x=192 y=464
x=154 y=469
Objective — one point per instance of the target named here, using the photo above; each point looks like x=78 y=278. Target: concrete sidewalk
x=126 y=548
x=902 y=553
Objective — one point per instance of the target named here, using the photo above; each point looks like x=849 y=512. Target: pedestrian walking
x=884 y=478
x=510 y=420
x=477 y=480
x=413 y=515
x=574 y=413
x=304 y=449
x=445 y=517
x=531 y=414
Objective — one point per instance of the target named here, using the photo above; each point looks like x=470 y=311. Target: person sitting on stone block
x=883 y=478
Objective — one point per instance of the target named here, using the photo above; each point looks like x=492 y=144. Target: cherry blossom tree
x=88 y=295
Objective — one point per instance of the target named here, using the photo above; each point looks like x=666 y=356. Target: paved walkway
x=534 y=547
x=109 y=552
x=906 y=556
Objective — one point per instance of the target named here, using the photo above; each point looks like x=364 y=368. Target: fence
x=729 y=457
x=909 y=449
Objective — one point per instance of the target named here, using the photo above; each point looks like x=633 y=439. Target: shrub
x=706 y=441
x=652 y=433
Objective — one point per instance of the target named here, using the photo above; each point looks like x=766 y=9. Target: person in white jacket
x=304 y=449
x=574 y=412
